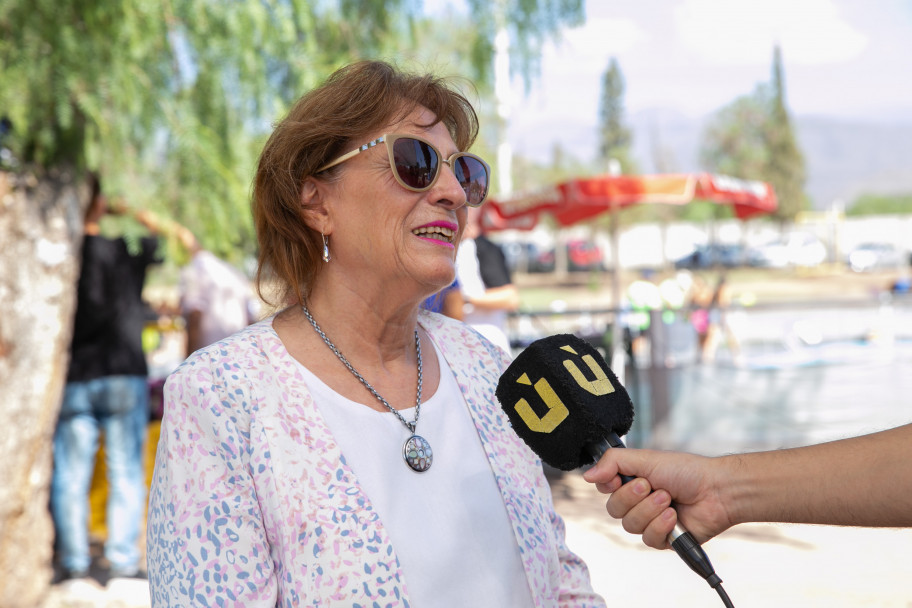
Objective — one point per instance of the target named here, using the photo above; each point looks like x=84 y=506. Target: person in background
x=448 y=301
x=216 y=299
x=700 y=303
x=718 y=325
x=860 y=481
x=485 y=282
x=675 y=293
x=105 y=391
x=642 y=296
x=350 y=449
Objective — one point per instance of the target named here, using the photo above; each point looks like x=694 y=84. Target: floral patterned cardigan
x=252 y=502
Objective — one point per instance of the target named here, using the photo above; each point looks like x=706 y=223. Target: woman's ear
x=314 y=209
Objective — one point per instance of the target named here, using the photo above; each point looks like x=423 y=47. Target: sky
x=848 y=59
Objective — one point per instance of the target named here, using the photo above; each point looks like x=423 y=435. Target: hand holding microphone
x=645 y=506
x=564 y=401
x=857 y=481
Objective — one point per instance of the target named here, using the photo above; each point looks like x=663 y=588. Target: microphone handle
x=684 y=544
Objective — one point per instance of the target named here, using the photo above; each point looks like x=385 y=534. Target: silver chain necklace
x=416 y=451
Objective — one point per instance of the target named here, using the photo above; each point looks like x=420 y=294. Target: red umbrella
x=581 y=199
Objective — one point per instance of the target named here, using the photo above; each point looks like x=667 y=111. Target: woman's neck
x=385 y=325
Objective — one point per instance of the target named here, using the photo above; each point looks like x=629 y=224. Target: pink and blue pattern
x=253 y=504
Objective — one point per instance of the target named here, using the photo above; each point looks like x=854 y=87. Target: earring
x=326 y=256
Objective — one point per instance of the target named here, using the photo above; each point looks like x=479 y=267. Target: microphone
x=564 y=401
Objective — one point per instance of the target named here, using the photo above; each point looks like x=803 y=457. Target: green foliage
x=704 y=211
x=173 y=101
x=71 y=69
x=614 y=136
x=881 y=204
x=734 y=142
x=785 y=167
x=752 y=138
x=529 y=23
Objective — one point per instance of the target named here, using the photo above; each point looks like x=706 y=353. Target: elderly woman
x=349 y=451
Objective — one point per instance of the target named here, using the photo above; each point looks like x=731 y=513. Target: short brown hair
x=325 y=123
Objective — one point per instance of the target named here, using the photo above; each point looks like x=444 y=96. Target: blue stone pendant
x=417 y=453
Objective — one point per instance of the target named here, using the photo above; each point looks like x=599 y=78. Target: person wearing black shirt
x=492 y=263
x=106 y=391
x=486 y=284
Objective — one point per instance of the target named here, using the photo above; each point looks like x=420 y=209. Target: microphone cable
x=725 y=599
x=683 y=543
x=695 y=557
x=579 y=416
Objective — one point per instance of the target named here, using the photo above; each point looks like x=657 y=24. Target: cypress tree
x=614 y=136
x=785 y=168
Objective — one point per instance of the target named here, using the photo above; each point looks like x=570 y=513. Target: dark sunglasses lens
x=416 y=162
x=473 y=176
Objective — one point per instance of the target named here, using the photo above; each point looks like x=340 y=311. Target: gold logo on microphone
x=598 y=387
x=557 y=411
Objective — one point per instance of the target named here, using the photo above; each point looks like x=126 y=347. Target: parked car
x=713 y=255
x=795 y=249
x=528 y=257
x=873 y=256
x=583 y=255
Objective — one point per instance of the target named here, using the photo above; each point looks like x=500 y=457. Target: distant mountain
x=848 y=159
x=843 y=159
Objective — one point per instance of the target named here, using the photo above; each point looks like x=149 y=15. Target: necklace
x=416 y=451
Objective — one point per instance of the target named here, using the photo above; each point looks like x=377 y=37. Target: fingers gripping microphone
x=568 y=406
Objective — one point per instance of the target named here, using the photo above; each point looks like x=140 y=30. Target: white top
x=489 y=323
x=221 y=292
x=249 y=473
x=448 y=524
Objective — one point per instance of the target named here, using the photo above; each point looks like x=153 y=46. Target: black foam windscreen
x=568 y=406
x=561 y=396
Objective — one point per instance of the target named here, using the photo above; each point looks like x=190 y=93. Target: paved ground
x=755 y=286
x=762 y=565
x=90 y=593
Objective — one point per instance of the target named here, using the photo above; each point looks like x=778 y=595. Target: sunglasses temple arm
x=339 y=160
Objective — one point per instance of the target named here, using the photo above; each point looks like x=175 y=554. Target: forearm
x=496 y=298
x=862 y=481
x=194 y=321
x=452 y=304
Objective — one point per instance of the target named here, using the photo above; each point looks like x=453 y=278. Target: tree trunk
x=40 y=240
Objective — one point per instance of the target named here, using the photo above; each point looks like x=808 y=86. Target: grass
x=748 y=285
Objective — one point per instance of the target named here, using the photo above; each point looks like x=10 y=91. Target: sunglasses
x=416 y=166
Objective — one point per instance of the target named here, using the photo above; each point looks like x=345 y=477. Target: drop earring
x=326 y=256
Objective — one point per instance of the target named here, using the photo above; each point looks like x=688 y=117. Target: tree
x=785 y=162
x=172 y=101
x=752 y=138
x=164 y=97
x=614 y=136
x=880 y=204
x=734 y=141
x=529 y=23
x=40 y=237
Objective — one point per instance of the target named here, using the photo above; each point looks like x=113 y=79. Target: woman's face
x=385 y=235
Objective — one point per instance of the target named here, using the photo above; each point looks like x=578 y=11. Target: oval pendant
x=417 y=453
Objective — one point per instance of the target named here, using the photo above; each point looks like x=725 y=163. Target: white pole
x=618 y=354
x=503 y=95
